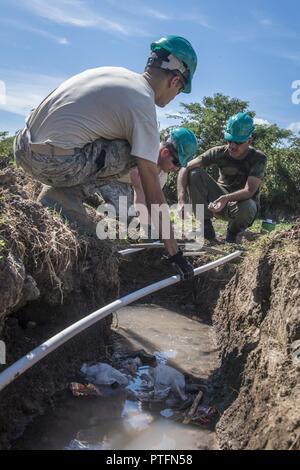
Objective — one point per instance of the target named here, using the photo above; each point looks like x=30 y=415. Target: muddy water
x=114 y=422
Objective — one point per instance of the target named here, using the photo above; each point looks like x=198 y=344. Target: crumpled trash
x=85 y=390
x=145 y=358
x=76 y=444
x=103 y=374
x=130 y=366
x=167 y=413
x=166 y=379
x=139 y=422
x=162 y=357
x=204 y=414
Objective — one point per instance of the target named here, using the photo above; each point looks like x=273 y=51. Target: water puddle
x=114 y=421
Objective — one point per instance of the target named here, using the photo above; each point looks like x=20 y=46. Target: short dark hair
x=155 y=61
x=170 y=146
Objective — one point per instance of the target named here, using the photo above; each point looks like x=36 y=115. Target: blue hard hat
x=185 y=142
x=239 y=128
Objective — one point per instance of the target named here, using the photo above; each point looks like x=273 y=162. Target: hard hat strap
x=172 y=64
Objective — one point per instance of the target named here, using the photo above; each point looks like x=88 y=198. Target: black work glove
x=182 y=265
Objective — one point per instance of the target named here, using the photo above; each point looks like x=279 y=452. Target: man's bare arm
x=251 y=186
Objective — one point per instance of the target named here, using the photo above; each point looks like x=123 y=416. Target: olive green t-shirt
x=234 y=173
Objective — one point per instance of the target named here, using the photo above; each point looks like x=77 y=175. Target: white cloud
x=76 y=13
x=290 y=55
x=2 y=92
x=25 y=91
x=17 y=24
x=266 y=22
x=260 y=27
x=137 y=8
x=261 y=122
x=198 y=19
x=261 y=18
x=155 y=14
x=58 y=39
x=294 y=127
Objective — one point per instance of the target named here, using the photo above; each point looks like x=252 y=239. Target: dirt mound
x=257 y=322
x=50 y=276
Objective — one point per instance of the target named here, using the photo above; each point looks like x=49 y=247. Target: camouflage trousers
x=111 y=193
x=203 y=189
x=95 y=167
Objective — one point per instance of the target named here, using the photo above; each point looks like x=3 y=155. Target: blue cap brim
x=187 y=88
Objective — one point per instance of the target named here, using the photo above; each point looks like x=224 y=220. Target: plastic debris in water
x=205 y=414
x=167 y=413
x=79 y=390
x=138 y=422
x=103 y=374
x=163 y=356
x=167 y=379
x=76 y=444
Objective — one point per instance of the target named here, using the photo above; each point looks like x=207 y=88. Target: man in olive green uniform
x=235 y=196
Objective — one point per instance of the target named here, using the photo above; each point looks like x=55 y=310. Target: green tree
x=207 y=119
x=281 y=187
x=6 y=144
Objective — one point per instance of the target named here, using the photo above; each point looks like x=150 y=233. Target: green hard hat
x=239 y=128
x=185 y=142
x=183 y=51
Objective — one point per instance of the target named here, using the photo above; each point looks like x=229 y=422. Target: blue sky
x=249 y=50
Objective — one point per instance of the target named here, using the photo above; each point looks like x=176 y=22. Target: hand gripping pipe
x=15 y=370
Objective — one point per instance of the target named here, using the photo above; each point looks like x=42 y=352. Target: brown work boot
x=68 y=202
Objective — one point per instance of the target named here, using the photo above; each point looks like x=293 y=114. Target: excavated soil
x=254 y=307
x=257 y=321
x=49 y=277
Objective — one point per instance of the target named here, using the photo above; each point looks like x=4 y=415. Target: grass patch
x=221 y=226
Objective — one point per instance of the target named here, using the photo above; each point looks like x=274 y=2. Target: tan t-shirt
x=108 y=102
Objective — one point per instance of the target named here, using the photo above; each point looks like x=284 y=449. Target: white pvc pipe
x=15 y=370
x=128 y=251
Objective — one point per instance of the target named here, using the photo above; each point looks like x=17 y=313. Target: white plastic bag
x=167 y=379
x=103 y=374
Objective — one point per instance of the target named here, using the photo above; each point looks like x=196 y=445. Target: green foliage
x=207 y=119
x=6 y=145
x=281 y=187
x=2 y=246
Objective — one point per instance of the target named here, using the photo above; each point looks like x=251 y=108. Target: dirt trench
x=257 y=323
x=50 y=276
x=254 y=306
